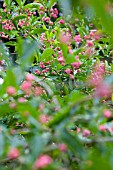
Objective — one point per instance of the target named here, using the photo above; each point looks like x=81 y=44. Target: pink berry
x=61 y=21
x=102 y=128
x=68 y=71
x=43 y=161
x=103 y=90
x=107 y=113
x=11 y=90
x=21 y=100
x=43 y=118
x=62 y=147
x=71 y=76
x=38 y=72
x=26 y=85
x=90 y=43
x=13 y=153
x=29 y=77
x=86 y=133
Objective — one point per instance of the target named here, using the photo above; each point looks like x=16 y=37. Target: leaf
x=1 y=144
x=106 y=18
x=19 y=46
x=37 y=145
x=8 y=2
x=74 y=99
x=38 y=31
x=70 y=59
x=47 y=54
x=5 y=54
x=72 y=142
x=64 y=49
x=11 y=43
x=65 y=6
x=10 y=79
x=23 y=108
x=16 y=18
x=19 y=2
x=28 y=51
x=32 y=5
x=52 y=2
x=74 y=96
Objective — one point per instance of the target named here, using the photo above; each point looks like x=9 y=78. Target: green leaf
x=65 y=6
x=2 y=142
x=32 y=5
x=70 y=59
x=72 y=142
x=11 y=43
x=64 y=49
x=19 y=46
x=37 y=145
x=106 y=18
x=19 y=2
x=29 y=48
x=9 y=80
x=38 y=30
x=75 y=96
x=47 y=54
x=8 y=2
x=74 y=99
x=52 y=2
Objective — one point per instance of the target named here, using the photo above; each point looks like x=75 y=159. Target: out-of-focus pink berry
x=103 y=90
x=11 y=90
x=26 y=85
x=89 y=43
x=37 y=72
x=43 y=118
x=78 y=129
x=43 y=161
x=86 y=133
x=86 y=37
x=76 y=65
x=102 y=128
x=61 y=21
x=71 y=76
x=13 y=153
x=29 y=77
x=68 y=71
x=21 y=100
x=107 y=113
x=62 y=147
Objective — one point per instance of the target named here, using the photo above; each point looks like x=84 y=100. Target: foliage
x=56 y=85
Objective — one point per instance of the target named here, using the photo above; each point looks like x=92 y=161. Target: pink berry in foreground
x=86 y=133
x=13 y=153
x=26 y=85
x=107 y=113
x=90 y=43
x=61 y=21
x=11 y=90
x=62 y=147
x=43 y=161
x=29 y=77
x=43 y=118
x=103 y=90
x=102 y=128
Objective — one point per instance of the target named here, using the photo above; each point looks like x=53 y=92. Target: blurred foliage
x=48 y=60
